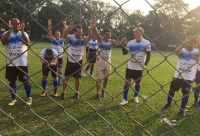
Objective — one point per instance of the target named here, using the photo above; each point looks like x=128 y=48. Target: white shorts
x=103 y=69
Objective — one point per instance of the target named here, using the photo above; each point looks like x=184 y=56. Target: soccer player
x=57 y=44
x=48 y=56
x=137 y=63
x=16 y=51
x=91 y=56
x=197 y=80
x=183 y=78
x=75 y=51
x=103 y=67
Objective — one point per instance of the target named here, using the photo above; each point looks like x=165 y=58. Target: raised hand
x=64 y=23
x=123 y=40
x=9 y=22
x=188 y=38
x=71 y=25
x=49 y=22
x=93 y=23
x=22 y=26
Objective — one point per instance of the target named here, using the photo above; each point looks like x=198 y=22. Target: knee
x=138 y=83
x=44 y=78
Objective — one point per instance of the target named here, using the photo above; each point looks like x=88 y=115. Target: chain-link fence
x=86 y=116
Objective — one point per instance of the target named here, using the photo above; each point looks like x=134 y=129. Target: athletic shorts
x=74 y=69
x=103 y=69
x=134 y=74
x=180 y=83
x=60 y=62
x=45 y=71
x=13 y=72
x=197 y=80
x=92 y=58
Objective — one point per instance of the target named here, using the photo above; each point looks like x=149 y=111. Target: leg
x=60 y=75
x=77 y=84
x=126 y=88
x=196 y=94
x=13 y=86
x=137 y=88
x=64 y=84
x=44 y=82
x=98 y=86
x=92 y=68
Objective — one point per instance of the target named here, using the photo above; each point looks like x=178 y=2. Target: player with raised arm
x=140 y=48
x=187 y=68
x=57 y=44
x=103 y=68
x=16 y=51
x=75 y=50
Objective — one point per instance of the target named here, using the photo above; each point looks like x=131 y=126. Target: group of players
x=52 y=60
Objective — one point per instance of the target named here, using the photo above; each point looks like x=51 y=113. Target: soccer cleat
x=195 y=104
x=43 y=94
x=29 y=101
x=124 y=102
x=136 y=99
x=166 y=106
x=12 y=102
x=98 y=97
x=102 y=93
x=77 y=96
x=84 y=74
x=55 y=94
x=63 y=96
x=182 y=113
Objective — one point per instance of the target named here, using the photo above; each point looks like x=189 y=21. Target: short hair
x=106 y=30
x=49 y=52
x=140 y=29
x=57 y=31
x=77 y=26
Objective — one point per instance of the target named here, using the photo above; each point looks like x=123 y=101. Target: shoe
x=84 y=74
x=136 y=99
x=166 y=106
x=98 y=97
x=63 y=96
x=102 y=93
x=55 y=94
x=77 y=96
x=12 y=102
x=195 y=103
x=29 y=101
x=124 y=102
x=43 y=94
x=182 y=113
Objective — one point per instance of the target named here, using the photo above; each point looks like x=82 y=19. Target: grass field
x=46 y=109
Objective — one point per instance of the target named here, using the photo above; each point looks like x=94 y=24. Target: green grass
x=47 y=109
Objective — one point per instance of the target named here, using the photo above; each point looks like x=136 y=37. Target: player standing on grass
x=58 y=47
x=91 y=56
x=16 y=51
x=134 y=69
x=103 y=67
x=75 y=50
x=187 y=67
x=197 y=79
x=49 y=55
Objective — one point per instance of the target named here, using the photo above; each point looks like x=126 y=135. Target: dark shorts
x=13 y=72
x=45 y=71
x=73 y=69
x=180 y=83
x=197 y=80
x=134 y=74
x=92 y=57
x=60 y=62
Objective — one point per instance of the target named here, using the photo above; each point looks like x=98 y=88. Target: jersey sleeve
x=42 y=53
x=128 y=46
x=148 y=48
x=55 y=53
